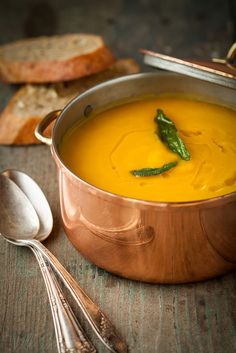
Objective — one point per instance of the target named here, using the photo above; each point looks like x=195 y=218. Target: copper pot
x=161 y=242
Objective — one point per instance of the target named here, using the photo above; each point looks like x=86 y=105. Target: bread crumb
x=20 y=104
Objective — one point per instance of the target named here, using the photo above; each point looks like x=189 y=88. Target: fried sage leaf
x=168 y=134
x=144 y=172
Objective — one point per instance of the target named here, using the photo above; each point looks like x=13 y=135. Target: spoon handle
x=69 y=334
x=97 y=319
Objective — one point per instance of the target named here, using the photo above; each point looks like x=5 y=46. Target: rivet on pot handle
x=41 y=127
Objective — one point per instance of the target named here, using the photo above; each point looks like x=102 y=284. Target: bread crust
x=17 y=125
x=19 y=133
x=56 y=70
x=14 y=129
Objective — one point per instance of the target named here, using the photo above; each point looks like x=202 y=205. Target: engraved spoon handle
x=97 y=319
x=69 y=334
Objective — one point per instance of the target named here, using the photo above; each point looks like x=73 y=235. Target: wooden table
x=193 y=318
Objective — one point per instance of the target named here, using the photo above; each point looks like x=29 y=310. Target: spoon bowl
x=19 y=219
x=37 y=198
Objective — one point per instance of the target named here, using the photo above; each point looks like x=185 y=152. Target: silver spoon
x=98 y=321
x=69 y=334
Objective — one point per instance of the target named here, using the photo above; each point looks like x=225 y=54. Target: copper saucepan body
x=160 y=242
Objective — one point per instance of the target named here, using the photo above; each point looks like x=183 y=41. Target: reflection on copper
x=171 y=244
x=148 y=241
x=128 y=234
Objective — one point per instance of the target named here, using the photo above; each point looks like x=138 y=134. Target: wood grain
x=194 y=318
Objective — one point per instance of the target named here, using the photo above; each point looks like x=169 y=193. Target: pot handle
x=41 y=127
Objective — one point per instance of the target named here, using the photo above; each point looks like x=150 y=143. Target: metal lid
x=219 y=71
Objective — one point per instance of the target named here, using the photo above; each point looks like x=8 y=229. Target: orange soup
x=104 y=149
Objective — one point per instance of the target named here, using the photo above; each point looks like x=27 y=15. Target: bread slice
x=53 y=59
x=31 y=103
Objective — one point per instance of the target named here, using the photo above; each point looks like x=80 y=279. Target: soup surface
x=103 y=149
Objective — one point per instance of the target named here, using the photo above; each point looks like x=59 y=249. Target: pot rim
x=161 y=204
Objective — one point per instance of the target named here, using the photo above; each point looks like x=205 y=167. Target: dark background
x=184 y=28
